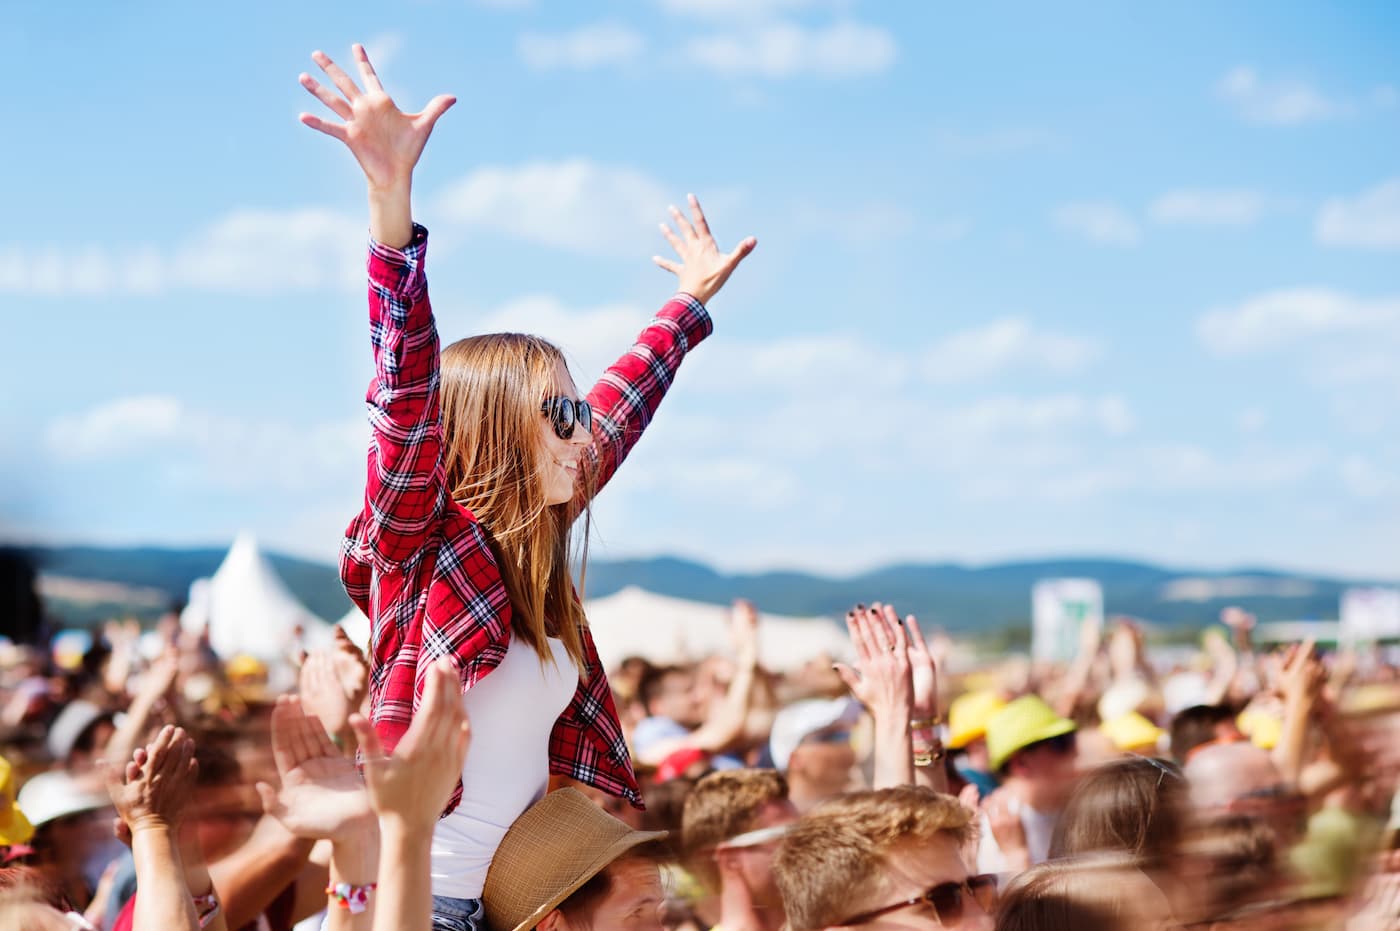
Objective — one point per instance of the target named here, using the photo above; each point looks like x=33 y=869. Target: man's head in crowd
x=224 y=809
x=1032 y=749
x=566 y=865
x=1241 y=779
x=811 y=744
x=889 y=857
x=1199 y=725
x=731 y=829
x=672 y=692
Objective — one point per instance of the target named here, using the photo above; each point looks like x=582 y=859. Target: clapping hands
x=154 y=787
x=412 y=785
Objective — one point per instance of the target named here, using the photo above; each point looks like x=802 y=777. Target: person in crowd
x=1032 y=750
x=72 y=840
x=731 y=827
x=483 y=457
x=967 y=738
x=678 y=718
x=811 y=746
x=1199 y=725
x=883 y=858
x=566 y=865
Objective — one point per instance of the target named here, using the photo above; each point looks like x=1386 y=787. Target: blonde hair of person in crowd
x=884 y=855
x=483 y=457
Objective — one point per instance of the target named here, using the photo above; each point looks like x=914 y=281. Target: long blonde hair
x=492 y=387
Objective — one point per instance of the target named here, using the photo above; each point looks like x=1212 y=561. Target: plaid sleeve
x=404 y=485
x=630 y=391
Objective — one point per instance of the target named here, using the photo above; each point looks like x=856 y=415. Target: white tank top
x=512 y=714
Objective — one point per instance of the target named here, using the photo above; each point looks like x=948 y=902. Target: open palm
x=384 y=140
x=321 y=795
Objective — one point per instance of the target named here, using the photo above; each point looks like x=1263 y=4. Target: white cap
x=800 y=720
x=75 y=718
x=56 y=794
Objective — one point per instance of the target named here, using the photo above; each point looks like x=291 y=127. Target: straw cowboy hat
x=560 y=843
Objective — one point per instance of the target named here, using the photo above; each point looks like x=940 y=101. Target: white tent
x=635 y=622
x=248 y=609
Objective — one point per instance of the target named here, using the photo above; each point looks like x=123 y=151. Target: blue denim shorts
x=458 y=914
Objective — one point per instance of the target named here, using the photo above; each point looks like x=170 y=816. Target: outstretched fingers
x=336 y=103
x=682 y=223
x=367 y=72
x=337 y=75
x=701 y=224
x=428 y=117
x=334 y=130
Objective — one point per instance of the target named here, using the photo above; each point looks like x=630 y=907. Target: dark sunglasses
x=1064 y=743
x=564 y=413
x=946 y=900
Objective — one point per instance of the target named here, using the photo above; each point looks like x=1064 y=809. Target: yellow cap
x=1262 y=729
x=1025 y=721
x=14 y=826
x=969 y=714
x=1132 y=731
x=244 y=666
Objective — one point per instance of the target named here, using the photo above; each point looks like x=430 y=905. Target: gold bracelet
x=928 y=757
x=925 y=723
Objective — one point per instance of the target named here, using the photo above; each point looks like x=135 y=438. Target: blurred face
x=914 y=871
x=223 y=818
x=633 y=902
x=679 y=699
x=1051 y=766
x=560 y=461
x=752 y=864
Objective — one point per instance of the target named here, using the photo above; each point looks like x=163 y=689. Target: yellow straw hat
x=968 y=716
x=1132 y=731
x=14 y=826
x=560 y=843
x=1025 y=721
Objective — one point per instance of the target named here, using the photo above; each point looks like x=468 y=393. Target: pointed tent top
x=248 y=607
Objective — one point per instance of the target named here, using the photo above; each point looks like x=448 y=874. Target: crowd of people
x=888 y=793
x=474 y=765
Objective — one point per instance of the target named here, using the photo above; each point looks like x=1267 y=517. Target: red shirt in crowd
x=417 y=562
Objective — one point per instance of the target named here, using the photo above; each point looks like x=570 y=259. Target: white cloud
x=1012 y=345
x=249 y=250
x=1291 y=102
x=1371 y=220
x=595 y=46
x=114 y=428
x=1287 y=317
x=1209 y=207
x=592 y=337
x=575 y=204
x=784 y=50
x=1098 y=221
x=1364 y=479
x=208 y=449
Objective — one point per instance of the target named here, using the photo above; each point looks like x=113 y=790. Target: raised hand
x=743 y=632
x=702 y=268
x=384 y=140
x=884 y=682
x=333 y=684
x=153 y=789
x=412 y=785
x=321 y=796
x=923 y=671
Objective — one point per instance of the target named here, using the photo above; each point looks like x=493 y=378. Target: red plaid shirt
x=417 y=562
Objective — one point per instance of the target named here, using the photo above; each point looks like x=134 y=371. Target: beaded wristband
x=206 y=907
x=354 y=898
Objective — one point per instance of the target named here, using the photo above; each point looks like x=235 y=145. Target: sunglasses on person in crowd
x=946 y=899
x=565 y=413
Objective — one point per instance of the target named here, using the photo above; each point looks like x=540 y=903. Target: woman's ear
x=554 y=921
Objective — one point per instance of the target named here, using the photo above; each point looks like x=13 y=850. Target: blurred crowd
x=146 y=782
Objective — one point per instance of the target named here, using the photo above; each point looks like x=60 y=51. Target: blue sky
x=1101 y=279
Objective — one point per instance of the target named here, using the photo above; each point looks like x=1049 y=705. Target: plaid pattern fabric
x=417 y=563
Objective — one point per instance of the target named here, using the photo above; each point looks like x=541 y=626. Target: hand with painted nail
x=703 y=268
x=883 y=682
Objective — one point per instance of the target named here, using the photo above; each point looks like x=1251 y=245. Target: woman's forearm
x=391 y=214
x=355 y=862
x=164 y=901
x=405 y=889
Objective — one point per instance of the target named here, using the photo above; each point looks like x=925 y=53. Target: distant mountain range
x=963 y=598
